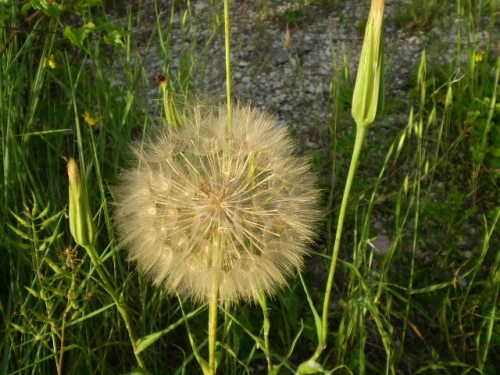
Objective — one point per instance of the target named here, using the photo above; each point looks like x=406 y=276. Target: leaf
x=32 y=292
x=19 y=245
x=45 y=211
x=93 y=313
x=311 y=367
x=77 y=36
x=46 y=223
x=39 y=4
x=26 y=8
x=40 y=317
x=114 y=38
x=54 y=10
x=34 y=210
x=495 y=152
x=83 y=7
x=21 y=221
x=55 y=291
x=19 y=232
x=144 y=342
x=55 y=267
x=317 y=319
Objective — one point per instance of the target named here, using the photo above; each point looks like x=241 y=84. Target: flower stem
x=227 y=47
x=267 y=326
x=358 y=145
x=212 y=326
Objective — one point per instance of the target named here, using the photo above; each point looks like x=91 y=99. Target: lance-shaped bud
x=81 y=223
x=368 y=98
x=171 y=111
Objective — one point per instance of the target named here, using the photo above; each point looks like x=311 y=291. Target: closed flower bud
x=368 y=95
x=81 y=223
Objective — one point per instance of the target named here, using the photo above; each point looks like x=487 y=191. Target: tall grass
x=426 y=301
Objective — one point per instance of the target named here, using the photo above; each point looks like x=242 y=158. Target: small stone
x=462 y=282
x=381 y=244
x=278 y=57
x=468 y=254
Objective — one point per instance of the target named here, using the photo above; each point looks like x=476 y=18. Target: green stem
x=267 y=326
x=227 y=39
x=212 y=326
x=96 y=261
x=358 y=145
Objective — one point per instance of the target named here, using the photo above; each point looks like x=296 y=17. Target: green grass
x=429 y=305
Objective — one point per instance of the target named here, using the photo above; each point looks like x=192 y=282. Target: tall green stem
x=266 y=327
x=212 y=326
x=358 y=145
x=227 y=39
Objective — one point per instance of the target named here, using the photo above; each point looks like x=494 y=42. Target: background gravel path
x=289 y=73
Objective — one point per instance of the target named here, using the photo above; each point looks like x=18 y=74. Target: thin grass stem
x=94 y=257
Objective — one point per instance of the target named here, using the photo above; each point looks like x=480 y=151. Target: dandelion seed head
x=203 y=207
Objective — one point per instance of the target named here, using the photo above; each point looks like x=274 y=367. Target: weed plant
x=424 y=301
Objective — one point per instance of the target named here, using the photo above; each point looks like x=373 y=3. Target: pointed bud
x=449 y=97
x=310 y=367
x=401 y=142
x=406 y=184
x=368 y=95
x=171 y=112
x=81 y=223
x=432 y=117
x=422 y=76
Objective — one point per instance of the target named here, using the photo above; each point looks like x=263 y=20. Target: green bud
x=422 y=74
x=432 y=117
x=368 y=98
x=81 y=223
x=401 y=142
x=406 y=184
x=310 y=367
x=171 y=111
x=449 y=97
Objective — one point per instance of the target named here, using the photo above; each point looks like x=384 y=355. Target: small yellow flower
x=50 y=62
x=478 y=57
x=92 y=120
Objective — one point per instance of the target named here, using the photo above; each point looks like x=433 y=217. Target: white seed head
x=202 y=207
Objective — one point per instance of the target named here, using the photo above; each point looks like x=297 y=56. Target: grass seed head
x=202 y=207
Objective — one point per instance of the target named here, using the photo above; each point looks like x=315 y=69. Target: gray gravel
x=291 y=74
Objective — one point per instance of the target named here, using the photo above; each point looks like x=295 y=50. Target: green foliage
x=485 y=132
x=293 y=18
x=427 y=304
x=421 y=14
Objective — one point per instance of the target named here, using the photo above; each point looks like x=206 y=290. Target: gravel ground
x=289 y=73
